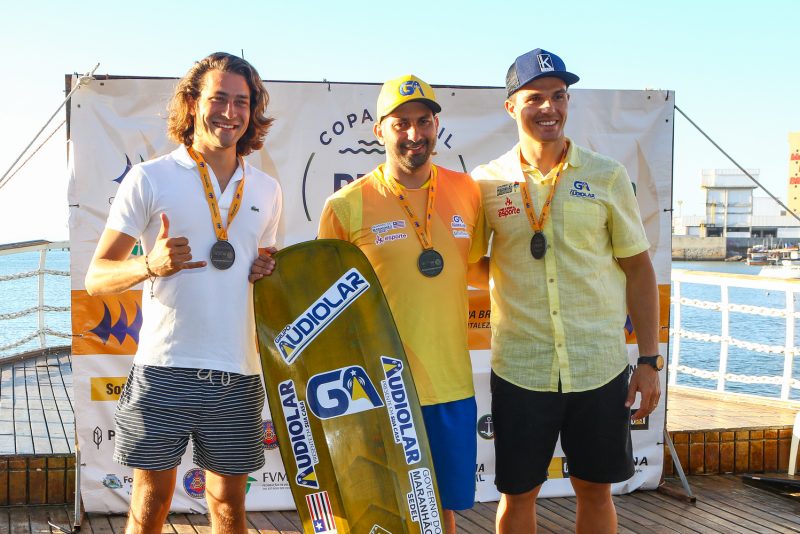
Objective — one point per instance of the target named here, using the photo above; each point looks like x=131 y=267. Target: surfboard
x=350 y=429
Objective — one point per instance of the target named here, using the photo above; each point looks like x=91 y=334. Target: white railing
x=41 y=331
x=725 y=281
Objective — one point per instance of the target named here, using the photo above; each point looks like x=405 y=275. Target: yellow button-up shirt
x=562 y=316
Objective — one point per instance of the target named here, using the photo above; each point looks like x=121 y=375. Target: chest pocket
x=585 y=225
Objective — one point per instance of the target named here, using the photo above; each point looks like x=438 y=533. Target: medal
x=222 y=252
x=538 y=245
x=539 y=240
x=430 y=263
x=222 y=255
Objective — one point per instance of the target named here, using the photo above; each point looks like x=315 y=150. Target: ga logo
x=194 y=483
x=341 y=392
x=410 y=87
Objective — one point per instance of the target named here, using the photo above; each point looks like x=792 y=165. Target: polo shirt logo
x=581 y=189
x=508 y=210
x=458 y=222
x=507 y=189
x=381 y=239
x=382 y=228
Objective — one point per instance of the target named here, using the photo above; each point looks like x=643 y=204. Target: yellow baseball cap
x=407 y=88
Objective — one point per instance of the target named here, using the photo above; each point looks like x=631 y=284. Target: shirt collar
x=183 y=159
x=573 y=160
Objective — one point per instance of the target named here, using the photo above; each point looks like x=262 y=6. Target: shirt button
x=551 y=280
x=555 y=312
x=558 y=345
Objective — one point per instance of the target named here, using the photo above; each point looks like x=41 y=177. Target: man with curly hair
x=207 y=223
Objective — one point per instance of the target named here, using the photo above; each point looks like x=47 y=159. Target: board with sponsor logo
x=344 y=405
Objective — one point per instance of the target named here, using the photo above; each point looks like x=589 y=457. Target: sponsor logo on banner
x=485 y=427
x=480 y=473
x=106 y=325
x=388 y=238
x=296 y=336
x=341 y=392
x=98 y=436
x=274 y=481
x=319 y=504
x=458 y=222
x=270 y=436
x=422 y=501
x=194 y=483
x=507 y=189
x=304 y=449
x=120 y=328
x=106 y=388
x=558 y=468
x=112 y=481
x=247 y=485
x=581 y=189
x=508 y=210
x=641 y=424
x=347 y=150
x=382 y=228
x=400 y=417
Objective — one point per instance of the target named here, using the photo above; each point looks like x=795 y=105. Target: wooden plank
x=477 y=519
x=99 y=523
x=5 y=521
x=748 y=503
x=39 y=517
x=680 y=515
x=261 y=523
x=284 y=525
x=200 y=523
x=19 y=522
x=181 y=524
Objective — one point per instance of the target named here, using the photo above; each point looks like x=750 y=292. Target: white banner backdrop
x=322 y=139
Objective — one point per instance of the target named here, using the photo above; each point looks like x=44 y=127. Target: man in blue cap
x=569 y=252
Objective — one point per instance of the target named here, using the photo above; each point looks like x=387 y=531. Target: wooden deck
x=724 y=504
x=36 y=414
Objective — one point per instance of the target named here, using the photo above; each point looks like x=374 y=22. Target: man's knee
x=522 y=500
x=591 y=492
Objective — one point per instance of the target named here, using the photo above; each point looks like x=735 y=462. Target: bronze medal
x=430 y=263
x=538 y=245
x=222 y=255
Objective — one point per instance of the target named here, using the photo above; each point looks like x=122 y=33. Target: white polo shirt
x=198 y=318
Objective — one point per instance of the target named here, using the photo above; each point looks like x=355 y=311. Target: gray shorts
x=162 y=407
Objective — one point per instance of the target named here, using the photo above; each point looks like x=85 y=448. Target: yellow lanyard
x=530 y=211
x=211 y=198
x=424 y=234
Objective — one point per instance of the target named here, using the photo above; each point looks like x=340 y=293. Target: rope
x=29 y=274
x=755 y=347
x=776 y=199
x=29 y=311
x=83 y=80
x=740 y=308
x=10 y=176
x=730 y=377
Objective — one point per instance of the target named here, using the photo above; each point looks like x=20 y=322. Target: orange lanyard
x=423 y=233
x=211 y=198
x=530 y=211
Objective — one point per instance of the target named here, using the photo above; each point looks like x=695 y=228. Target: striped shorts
x=162 y=407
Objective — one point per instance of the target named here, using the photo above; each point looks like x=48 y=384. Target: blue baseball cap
x=537 y=64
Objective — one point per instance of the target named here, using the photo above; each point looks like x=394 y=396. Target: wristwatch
x=656 y=362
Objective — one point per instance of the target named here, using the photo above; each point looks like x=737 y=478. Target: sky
x=733 y=69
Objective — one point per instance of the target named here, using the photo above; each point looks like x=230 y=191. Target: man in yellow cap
x=414 y=221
